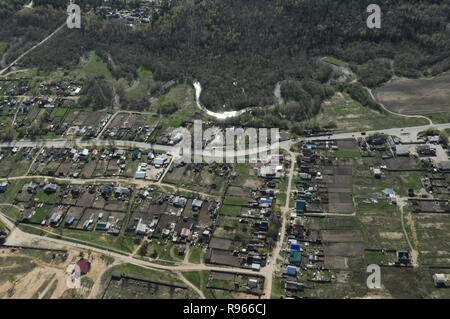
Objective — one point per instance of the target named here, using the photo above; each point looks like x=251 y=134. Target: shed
x=3 y=187
x=389 y=191
x=300 y=205
x=197 y=204
x=252 y=283
x=139 y=175
x=50 y=188
x=291 y=270
x=295 y=257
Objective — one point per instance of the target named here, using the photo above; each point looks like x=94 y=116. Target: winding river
x=230 y=114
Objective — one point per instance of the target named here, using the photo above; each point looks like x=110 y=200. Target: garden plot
x=81 y=118
x=204 y=216
x=165 y=221
x=230 y=228
x=339 y=190
x=93 y=119
x=223 y=257
x=145 y=211
x=347 y=145
x=341 y=235
x=161 y=284
x=116 y=205
x=240 y=192
x=76 y=213
x=89 y=218
x=202 y=180
x=335 y=262
x=344 y=249
x=433 y=238
x=64 y=169
x=88 y=169
x=402 y=162
x=23 y=195
x=221 y=243
x=86 y=200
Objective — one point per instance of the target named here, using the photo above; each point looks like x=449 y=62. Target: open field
x=350 y=116
x=416 y=96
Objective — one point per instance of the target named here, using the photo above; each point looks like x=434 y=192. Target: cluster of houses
x=132 y=16
x=154 y=168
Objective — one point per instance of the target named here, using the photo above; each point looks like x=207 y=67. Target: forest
x=239 y=50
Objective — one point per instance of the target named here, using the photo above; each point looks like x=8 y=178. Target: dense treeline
x=303 y=99
x=374 y=72
x=21 y=28
x=239 y=49
x=360 y=94
x=97 y=93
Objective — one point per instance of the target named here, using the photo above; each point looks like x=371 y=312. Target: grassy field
x=351 y=116
x=40 y=214
x=95 y=67
x=102 y=240
x=379 y=258
x=277 y=290
x=197 y=254
x=146 y=83
x=230 y=210
x=199 y=279
x=335 y=61
x=345 y=153
x=236 y=202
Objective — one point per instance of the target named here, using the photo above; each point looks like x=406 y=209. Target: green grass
x=96 y=67
x=220 y=283
x=379 y=258
x=40 y=214
x=236 y=202
x=230 y=210
x=47 y=198
x=108 y=259
x=335 y=61
x=146 y=273
x=351 y=116
x=196 y=255
x=120 y=243
x=200 y=280
x=3 y=226
x=58 y=112
x=146 y=83
x=11 y=191
x=346 y=153
x=163 y=252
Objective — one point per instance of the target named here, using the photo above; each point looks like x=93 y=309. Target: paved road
x=412 y=131
x=175 y=150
